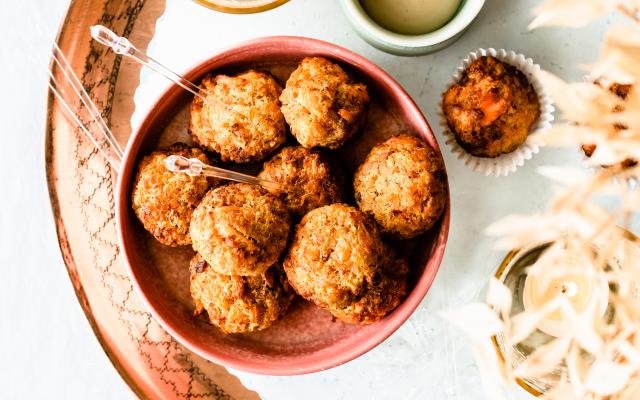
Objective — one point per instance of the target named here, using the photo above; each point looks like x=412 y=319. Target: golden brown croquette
x=492 y=109
x=305 y=177
x=322 y=104
x=239 y=304
x=402 y=185
x=240 y=229
x=241 y=119
x=338 y=261
x=164 y=201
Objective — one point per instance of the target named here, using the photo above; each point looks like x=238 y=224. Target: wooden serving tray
x=81 y=185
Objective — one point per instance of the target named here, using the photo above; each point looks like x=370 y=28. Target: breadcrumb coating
x=306 y=179
x=402 y=185
x=240 y=229
x=241 y=119
x=492 y=109
x=239 y=304
x=164 y=201
x=338 y=261
x=382 y=295
x=322 y=104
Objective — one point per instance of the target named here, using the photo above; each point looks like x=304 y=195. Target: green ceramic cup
x=411 y=45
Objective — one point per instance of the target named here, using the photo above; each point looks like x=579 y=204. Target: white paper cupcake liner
x=504 y=164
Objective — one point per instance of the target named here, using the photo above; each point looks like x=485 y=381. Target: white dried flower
x=599 y=357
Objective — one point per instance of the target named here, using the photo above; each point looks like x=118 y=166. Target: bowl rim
x=465 y=15
x=232 y=7
x=392 y=321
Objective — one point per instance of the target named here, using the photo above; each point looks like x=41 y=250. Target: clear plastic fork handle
x=119 y=44
x=122 y=46
x=194 y=167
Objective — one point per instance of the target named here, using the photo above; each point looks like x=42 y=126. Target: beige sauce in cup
x=411 y=17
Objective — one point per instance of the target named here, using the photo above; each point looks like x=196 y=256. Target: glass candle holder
x=513 y=273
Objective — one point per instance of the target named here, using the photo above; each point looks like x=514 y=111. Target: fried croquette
x=305 y=178
x=382 y=295
x=492 y=109
x=402 y=185
x=164 y=201
x=322 y=104
x=239 y=304
x=240 y=229
x=338 y=261
x=241 y=118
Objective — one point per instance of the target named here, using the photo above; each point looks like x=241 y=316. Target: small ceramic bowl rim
x=462 y=19
x=233 y=7
x=326 y=360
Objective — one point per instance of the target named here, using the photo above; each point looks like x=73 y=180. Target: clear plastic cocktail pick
x=122 y=46
x=195 y=167
x=75 y=100
x=174 y=163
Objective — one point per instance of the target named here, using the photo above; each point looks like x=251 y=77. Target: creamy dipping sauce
x=411 y=17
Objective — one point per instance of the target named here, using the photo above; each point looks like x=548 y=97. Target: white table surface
x=47 y=347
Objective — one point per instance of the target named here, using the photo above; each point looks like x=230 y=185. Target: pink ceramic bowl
x=307 y=339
